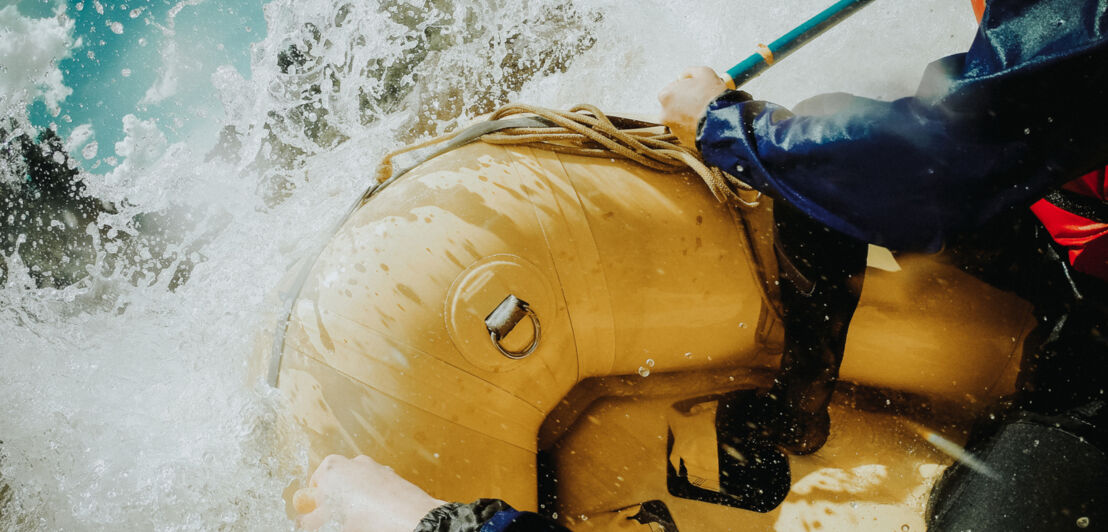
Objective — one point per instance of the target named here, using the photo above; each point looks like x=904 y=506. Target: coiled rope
x=585 y=130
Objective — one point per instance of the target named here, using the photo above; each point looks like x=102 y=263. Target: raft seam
x=610 y=359
x=444 y=362
x=514 y=167
x=358 y=381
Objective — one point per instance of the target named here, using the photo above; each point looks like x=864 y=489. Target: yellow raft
x=615 y=291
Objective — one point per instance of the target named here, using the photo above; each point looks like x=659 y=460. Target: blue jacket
x=1025 y=109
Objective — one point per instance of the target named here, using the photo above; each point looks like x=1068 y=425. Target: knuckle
x=331 y=461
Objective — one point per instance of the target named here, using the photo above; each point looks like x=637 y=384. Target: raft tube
x=586 y=268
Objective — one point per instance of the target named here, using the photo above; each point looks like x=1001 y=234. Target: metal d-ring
x=503 y=319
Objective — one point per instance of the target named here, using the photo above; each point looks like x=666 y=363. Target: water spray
x=954 y=450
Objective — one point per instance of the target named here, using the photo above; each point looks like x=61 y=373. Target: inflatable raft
x=516 y=323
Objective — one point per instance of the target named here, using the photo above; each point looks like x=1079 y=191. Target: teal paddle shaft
x=788 y=43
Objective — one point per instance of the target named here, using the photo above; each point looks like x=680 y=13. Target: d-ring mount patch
x=500 y=298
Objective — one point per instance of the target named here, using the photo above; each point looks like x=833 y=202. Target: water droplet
x=645 y=372
x=90 y=149
x=650 y=362
x=1082 y=522
x=742 y=325
x=688 y=355
x=583 y=517
x=734 y=453
x=905 y=528
x=1026 y=131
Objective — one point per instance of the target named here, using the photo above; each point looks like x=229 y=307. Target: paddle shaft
x=788 y=43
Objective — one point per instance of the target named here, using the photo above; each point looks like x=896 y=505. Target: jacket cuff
x=485 y=515
x=727 y=99
x=459 y=517
x=501 y=521
x=722 y=136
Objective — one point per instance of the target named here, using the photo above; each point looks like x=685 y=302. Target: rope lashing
x=585 y=130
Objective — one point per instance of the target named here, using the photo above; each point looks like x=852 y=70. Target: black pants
x=1065 y=357
x=1047 y=448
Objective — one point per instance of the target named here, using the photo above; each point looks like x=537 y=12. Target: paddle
x=788 y=43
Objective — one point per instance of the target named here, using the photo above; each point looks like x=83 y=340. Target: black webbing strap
x=1079 y=204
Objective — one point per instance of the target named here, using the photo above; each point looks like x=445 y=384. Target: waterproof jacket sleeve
x=485 y=515
x=1025 y=109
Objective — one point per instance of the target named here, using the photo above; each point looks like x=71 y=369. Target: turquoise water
x=137 y=57
x=227 y=136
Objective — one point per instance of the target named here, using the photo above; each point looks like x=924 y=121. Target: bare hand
x=362 y=496
x=684 y=101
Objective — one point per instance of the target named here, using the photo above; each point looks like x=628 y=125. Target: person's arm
x=901 y=174
x=362 y=495
x=989 y=130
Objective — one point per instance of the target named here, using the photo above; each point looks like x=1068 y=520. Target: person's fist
x=685 y=100
x=361 y=496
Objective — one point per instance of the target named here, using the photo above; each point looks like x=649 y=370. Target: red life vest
x=1085 y=239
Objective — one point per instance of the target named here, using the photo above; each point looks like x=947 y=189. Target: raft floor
x=874 y=474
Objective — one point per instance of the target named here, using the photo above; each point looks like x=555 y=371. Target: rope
x=585 y=130
x=384 y=168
